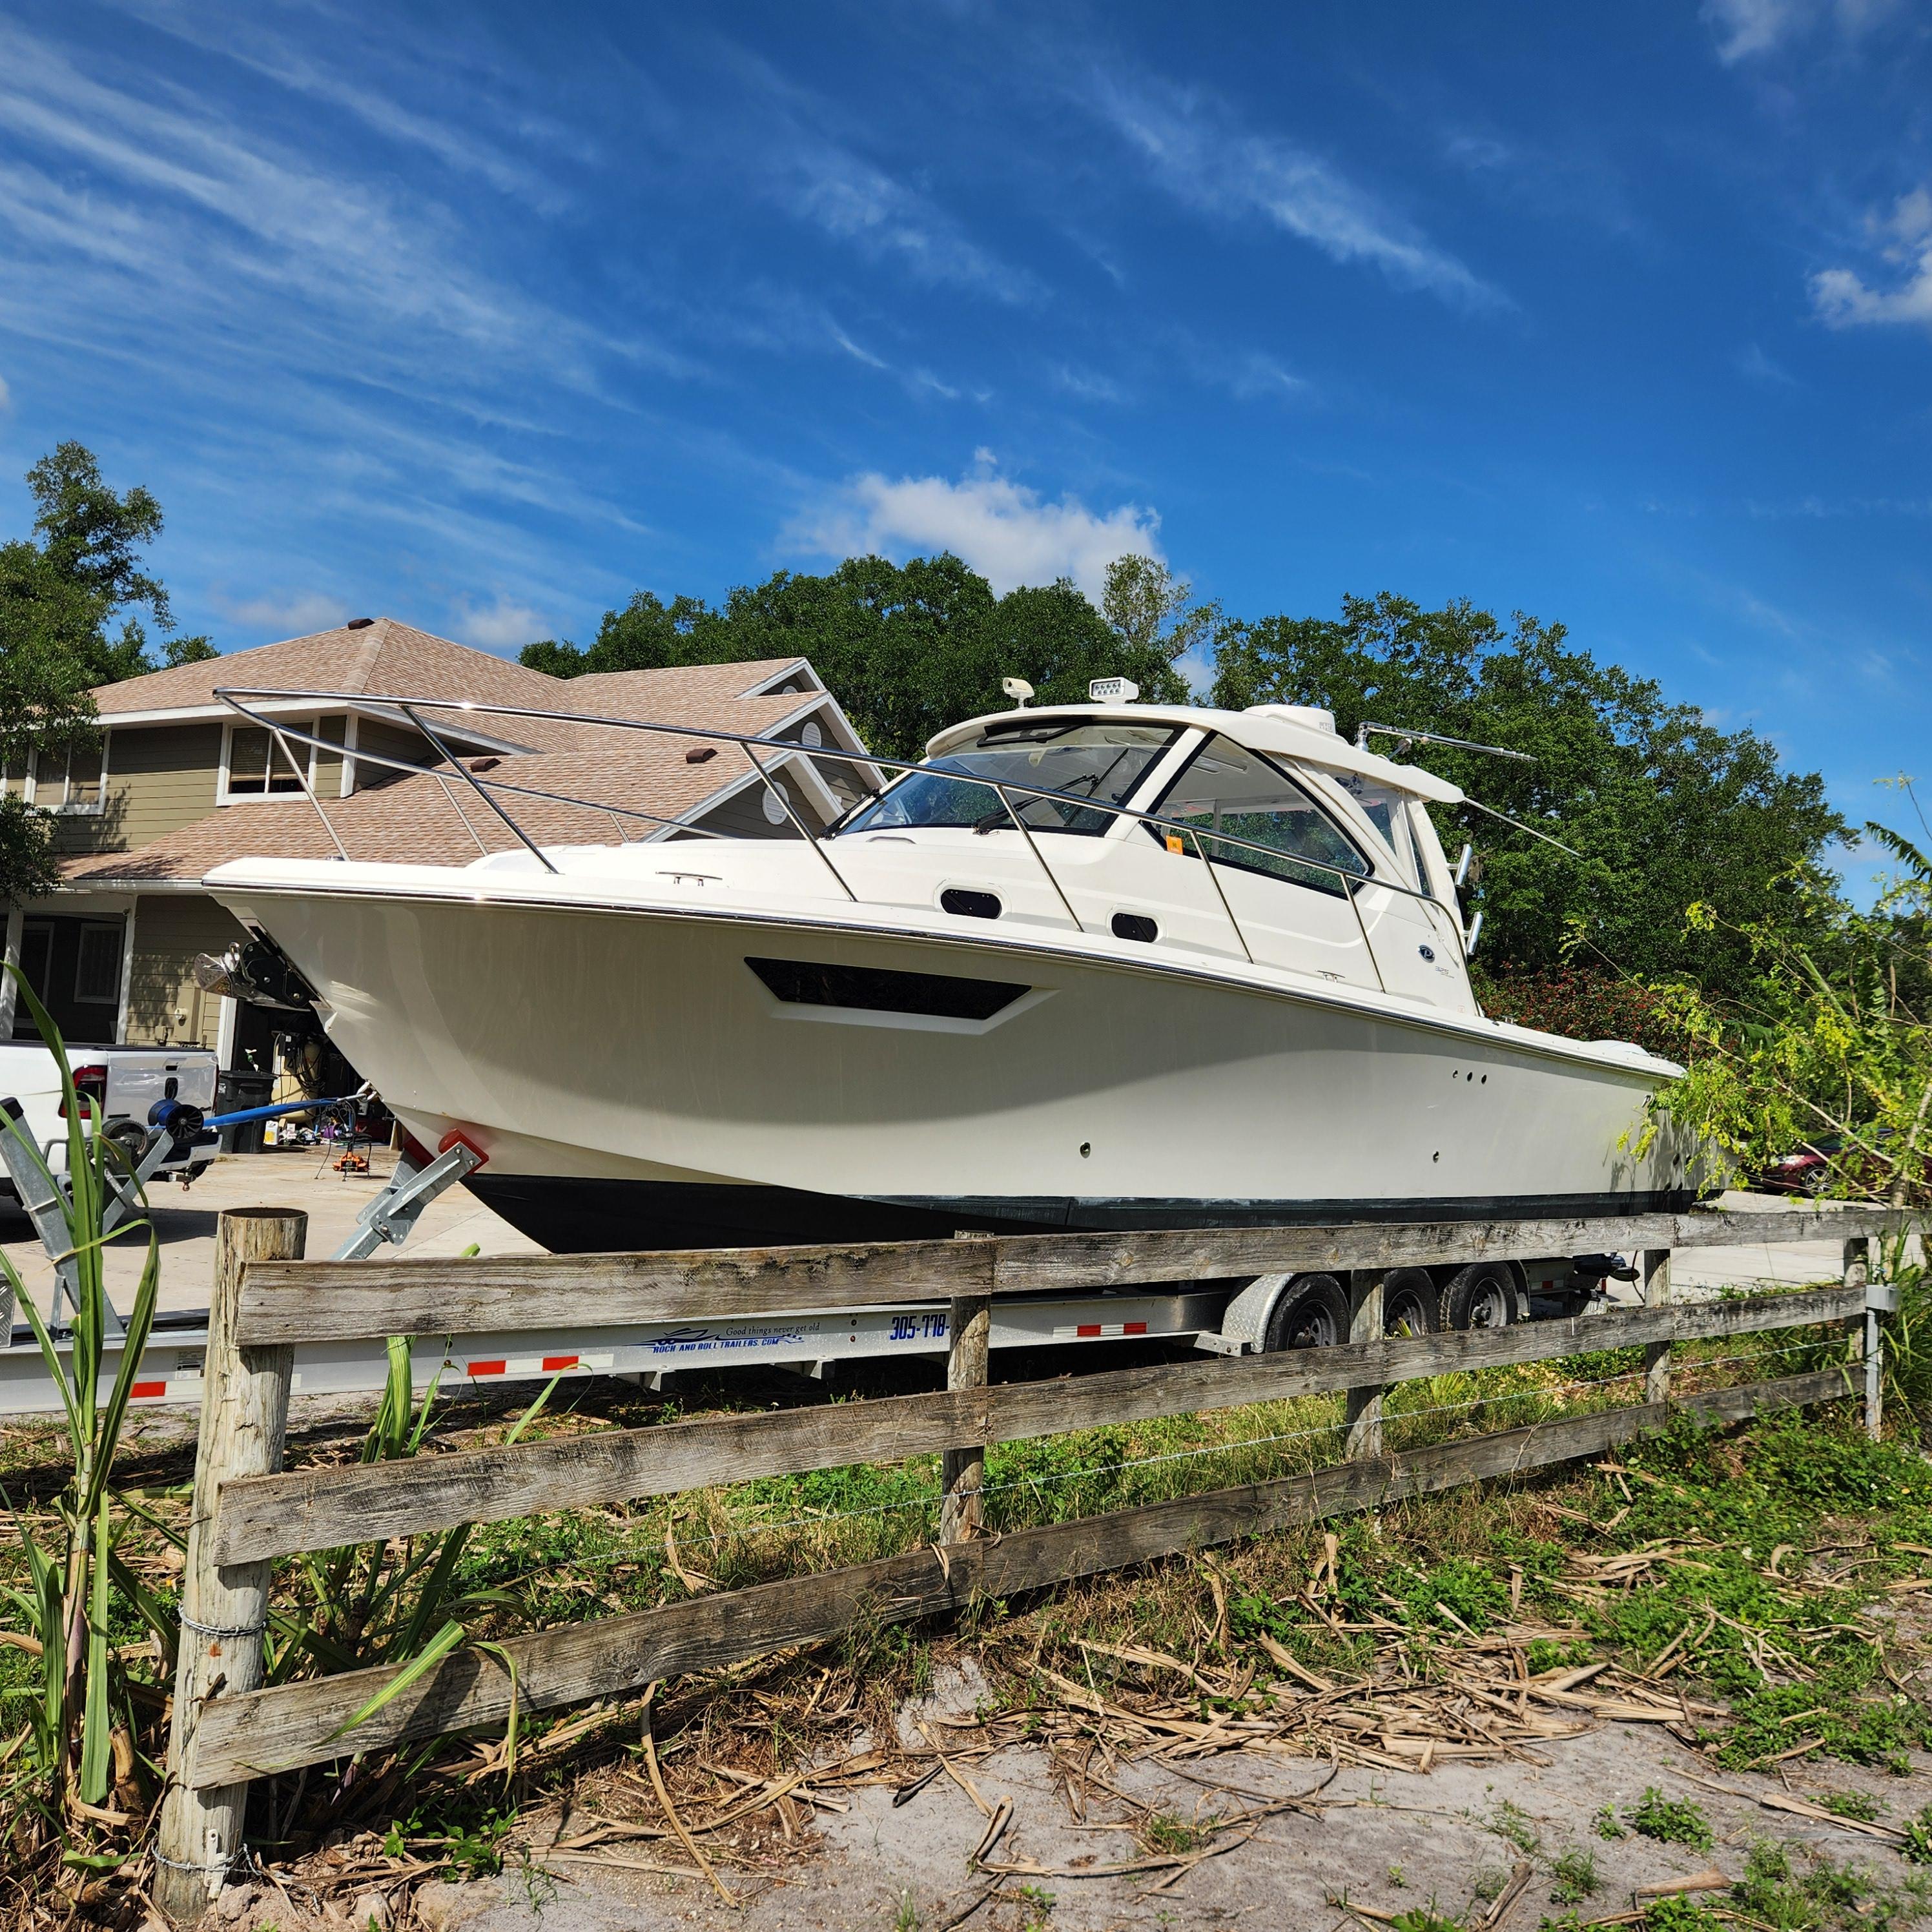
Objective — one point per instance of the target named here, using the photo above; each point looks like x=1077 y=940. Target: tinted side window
x=1282 y=831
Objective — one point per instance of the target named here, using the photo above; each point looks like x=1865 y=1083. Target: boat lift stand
x=174 y=1128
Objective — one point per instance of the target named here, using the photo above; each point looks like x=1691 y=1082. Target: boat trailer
x=171 y=1372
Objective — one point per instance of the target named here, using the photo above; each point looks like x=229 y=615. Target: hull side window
x=806 y=983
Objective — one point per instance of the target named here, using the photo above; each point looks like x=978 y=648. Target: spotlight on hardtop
x=1112 y=691
x=1017 y=689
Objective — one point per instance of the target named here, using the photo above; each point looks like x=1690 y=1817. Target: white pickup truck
x=125 y=1081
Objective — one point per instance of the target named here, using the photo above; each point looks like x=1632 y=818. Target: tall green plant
x=67 y=1769
x=398 y=1602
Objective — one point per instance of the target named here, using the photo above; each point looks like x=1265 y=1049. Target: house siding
x=170 y=932
x=159 y=778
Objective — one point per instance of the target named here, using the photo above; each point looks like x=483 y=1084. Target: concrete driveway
x=284 y=1177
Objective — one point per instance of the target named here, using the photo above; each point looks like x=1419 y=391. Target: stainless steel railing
x=283 y=732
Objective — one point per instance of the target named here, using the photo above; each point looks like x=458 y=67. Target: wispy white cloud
x=1084 y=385
x=6 y=394
x=1748 y=28
x=207 y=218
x=1844 y=299
x=1755 y=366
x=1010 y=533
x=275 y=614
x=503 y=624
x=854 y=201
x=1197 y=149
x=249 y=41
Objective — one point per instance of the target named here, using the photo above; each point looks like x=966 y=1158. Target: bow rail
x=283 y=732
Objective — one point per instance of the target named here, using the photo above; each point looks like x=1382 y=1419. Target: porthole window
x=1136 y=925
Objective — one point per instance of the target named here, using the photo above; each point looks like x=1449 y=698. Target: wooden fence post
x=223 y=1613
x=1656 y=1354
x=1363 y=1407
x=1858 y=1274
x=963 y=1471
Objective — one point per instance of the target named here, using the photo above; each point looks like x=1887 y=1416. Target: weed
x=1037 y=1904
x=1672 y=1821
x=1395 y=1877
x=1490 y=1883
x=1607 y=1825
x=1820 y=1896
x=1576 y=1876
x=1680 y=1914
x=1543 y=1655
x=1917 y=1848
x=906 y=1917
x=1167 y=1832
x=1859 y=1805
x=1422 y=1918
x=1510 y=1822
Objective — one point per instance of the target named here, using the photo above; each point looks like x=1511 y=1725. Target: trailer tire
x=1482 y=1295
x=1410 y=1303
x=1311 y=1312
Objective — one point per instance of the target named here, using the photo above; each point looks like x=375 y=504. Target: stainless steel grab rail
x=232 y=695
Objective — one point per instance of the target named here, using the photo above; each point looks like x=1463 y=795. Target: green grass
x=1574 y=1877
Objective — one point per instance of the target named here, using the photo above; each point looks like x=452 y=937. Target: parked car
x=125 y=1083
x=1811 y=1167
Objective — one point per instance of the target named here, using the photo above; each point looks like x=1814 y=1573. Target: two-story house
x=178 y=783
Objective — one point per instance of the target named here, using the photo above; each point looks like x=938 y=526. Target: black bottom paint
x=570 y=1216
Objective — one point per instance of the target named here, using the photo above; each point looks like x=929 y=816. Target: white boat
x=1105 y=966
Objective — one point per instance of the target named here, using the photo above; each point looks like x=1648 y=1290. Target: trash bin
x=243 y=1087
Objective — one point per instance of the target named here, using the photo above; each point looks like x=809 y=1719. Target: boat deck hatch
x=806 y=983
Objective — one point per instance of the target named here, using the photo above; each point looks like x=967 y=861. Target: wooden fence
x=246 y=1512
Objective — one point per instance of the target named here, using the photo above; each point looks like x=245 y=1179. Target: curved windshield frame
x=1228 y=788
x=1098 y=758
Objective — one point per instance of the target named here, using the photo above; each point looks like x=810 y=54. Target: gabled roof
x=389 y=658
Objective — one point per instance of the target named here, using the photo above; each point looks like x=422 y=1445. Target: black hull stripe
x=568 y=1215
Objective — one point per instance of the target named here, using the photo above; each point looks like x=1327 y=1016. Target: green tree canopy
x=61 y=590
x=1665 y=809
x=907 y=650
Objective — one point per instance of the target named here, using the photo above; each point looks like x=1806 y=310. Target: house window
x=255 y=765
x=97 y=974
x=65 y=778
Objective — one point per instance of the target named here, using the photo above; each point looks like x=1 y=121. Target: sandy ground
x=305 y=1177
x=1391 y=1842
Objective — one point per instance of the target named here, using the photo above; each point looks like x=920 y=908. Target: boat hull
x=665 y=1077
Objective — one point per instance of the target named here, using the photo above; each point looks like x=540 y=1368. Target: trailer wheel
x=1311 y=1312
x=1410 y=1303
x=1482 y=1295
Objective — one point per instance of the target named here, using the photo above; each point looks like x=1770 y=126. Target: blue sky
x=483 y=316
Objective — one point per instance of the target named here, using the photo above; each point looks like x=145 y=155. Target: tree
x=908 y=649
x=58 y=597
x=1149 y=610
x=1664 y=809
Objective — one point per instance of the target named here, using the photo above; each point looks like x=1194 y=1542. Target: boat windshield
x=1097 y=760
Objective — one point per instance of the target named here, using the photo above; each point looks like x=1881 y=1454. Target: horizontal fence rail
x=247 y=1511
x=283 y=1302
x=297 y=1724
x=323 y=1509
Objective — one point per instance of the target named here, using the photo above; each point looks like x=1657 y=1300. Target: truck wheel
x=1482 y=1295
x=1410 y=1304
x=1311 y=1312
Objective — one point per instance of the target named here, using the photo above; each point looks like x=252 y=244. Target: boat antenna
x=1408 y=737
x=1493 y=813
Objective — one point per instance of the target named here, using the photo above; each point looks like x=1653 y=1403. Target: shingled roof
x=438 y=819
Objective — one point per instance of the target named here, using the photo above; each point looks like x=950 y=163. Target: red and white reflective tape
x=1099 y=1331
x=539 y=1365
